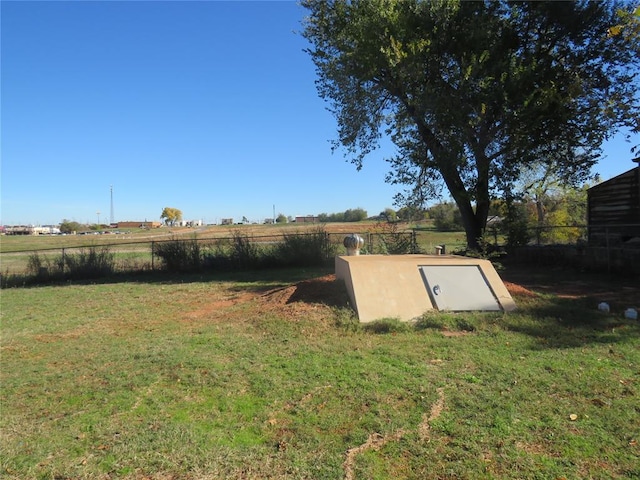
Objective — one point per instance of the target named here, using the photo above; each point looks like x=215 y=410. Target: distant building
x=190 y=223
x=227 y=221
x=144 y=224
x=307 y=219
x=31 y=230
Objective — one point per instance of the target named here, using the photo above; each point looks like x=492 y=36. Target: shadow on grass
x=570 y=323
x=553 y=321
x=273 y=277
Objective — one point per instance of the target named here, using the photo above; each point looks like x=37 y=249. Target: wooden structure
x=613 y=210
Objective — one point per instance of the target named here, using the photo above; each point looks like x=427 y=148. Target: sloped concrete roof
x=391 y=286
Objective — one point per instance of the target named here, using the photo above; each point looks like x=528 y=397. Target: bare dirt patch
x=322 y=290
x=519 y=290
x=436 y=409
x=211 y=308
x=374 y=442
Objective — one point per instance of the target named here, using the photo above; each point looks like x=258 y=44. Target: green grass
x=198 y=377
x=428 y=239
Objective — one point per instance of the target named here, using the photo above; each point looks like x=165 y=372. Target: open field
x=255 y=376
x=135 y=245
x=28 y=243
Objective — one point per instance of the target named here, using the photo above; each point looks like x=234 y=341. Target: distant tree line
x=70 y=226
x=350 y=215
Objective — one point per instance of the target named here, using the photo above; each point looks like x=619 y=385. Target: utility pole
x=111 y=219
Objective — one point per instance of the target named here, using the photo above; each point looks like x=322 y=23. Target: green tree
x=171 y=215
x=543 y=188
x=68 y=226
x=389 y=215
x=409 y=213
x=472 y=93
x=350 y=215
x=629 y=26
x=355 y=215
x=446 y=217
x=281 y=218
x=629 y=29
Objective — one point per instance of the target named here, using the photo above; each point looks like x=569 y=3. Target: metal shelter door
x=458 y=287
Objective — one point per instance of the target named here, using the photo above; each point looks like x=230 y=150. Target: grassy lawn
x=244 y=376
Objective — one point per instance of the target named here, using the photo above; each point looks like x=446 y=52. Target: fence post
x=326 y=246
x=152 y=255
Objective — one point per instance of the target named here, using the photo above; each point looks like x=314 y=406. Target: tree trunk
x=473 y=222
x=541 y=214
x=473 y=225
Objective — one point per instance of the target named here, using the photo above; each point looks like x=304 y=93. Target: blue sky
x=209 y=107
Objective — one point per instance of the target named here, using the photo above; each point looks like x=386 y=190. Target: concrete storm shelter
x=407 y=286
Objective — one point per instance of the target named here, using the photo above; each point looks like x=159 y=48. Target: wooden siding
x=613 y=209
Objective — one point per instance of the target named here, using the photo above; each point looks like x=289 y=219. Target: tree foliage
x=171 y=215
x=547 y=213
x=446 y=217
x=629 y=29
x=69 y=226
x=389 y=215
x=629 y=26
x=472 y=93
x=349 y=215
x=410 y=213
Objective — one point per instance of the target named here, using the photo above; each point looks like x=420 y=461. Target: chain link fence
x=147 y=255
x=603 y=247
x=612 y=248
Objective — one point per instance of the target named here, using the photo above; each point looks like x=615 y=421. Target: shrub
x=92 y=262
x=244 y=253
x=217 y=255
x=41 y=268
x=304 y=250
x=515 y=225
x=179 y=255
